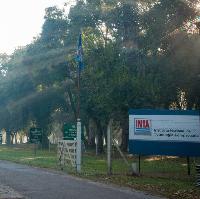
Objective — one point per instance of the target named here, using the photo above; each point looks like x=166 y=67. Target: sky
x=21 y=20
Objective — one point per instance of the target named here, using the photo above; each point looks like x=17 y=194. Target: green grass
x=27 y=156
x=165 y=176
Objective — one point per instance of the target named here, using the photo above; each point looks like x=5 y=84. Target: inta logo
x=142 y=126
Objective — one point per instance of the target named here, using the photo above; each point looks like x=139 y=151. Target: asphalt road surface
x=19 y=181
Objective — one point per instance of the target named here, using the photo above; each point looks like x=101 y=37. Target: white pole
x=78 y=148
x=109 y=147
x=96 y=140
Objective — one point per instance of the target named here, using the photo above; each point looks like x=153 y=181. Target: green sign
x=35 y=135
x=69 y=132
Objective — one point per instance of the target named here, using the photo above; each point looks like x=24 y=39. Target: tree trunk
x=125 y=131
x=99 y=137
x=12 y=138
x=8 y=137
x=15 y=136
x=45 y=141
x=91 y=133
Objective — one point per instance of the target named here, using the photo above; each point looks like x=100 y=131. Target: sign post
x=188 y=165
x=164 y=132
x=35 y=137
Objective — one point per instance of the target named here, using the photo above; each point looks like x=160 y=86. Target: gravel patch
x=9 y=193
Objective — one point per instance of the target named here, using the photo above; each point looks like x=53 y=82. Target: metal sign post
x=35 y=137
x=164 y=132
x=188 y=165
x=198 y=175
x=35 y=149
x=139 y=164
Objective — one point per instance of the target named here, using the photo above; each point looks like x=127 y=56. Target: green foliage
x=136 y=55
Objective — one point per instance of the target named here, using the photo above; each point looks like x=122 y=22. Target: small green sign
x=69 y=131
x=35 y=135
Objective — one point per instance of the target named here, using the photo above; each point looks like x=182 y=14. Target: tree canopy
x=137 y=54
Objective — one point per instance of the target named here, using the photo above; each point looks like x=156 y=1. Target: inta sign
x=142 y=126
x=164 y=132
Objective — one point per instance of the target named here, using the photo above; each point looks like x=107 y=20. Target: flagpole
x=78 y=87
x=78 y=149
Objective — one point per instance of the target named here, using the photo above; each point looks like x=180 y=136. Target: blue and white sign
x=164 y=132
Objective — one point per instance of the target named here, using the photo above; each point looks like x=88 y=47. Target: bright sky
x=21 y=20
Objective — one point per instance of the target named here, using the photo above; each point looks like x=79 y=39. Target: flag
x=79 y=54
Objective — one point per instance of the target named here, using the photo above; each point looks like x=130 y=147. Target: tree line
x=137 y=54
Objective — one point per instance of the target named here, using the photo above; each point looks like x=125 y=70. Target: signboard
x=35 y=135
x=164 y=132
x=69 y=131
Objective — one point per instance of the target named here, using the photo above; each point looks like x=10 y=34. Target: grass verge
x=164 y=176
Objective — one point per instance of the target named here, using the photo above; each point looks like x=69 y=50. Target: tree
x=133 y=53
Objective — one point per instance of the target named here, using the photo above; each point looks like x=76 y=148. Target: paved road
x=29 y=182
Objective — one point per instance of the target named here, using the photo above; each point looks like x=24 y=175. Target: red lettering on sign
x=147 y=124
x=139 y=123
x=142 y=124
